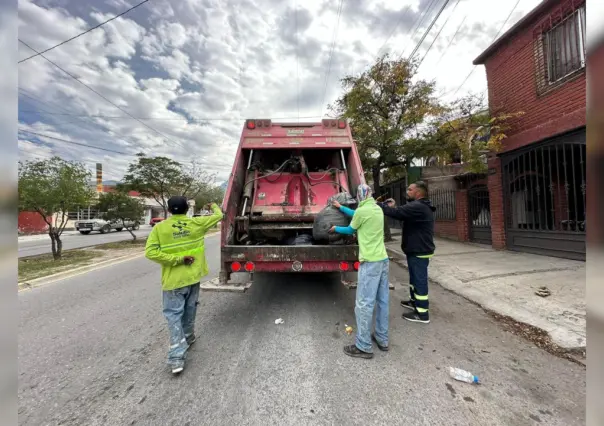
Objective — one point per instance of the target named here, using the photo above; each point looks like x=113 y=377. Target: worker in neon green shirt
x=177 y=244
x=372 y=289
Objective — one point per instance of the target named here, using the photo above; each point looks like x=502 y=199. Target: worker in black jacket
x=417 y=217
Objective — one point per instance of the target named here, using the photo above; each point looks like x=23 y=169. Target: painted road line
x=75 y=272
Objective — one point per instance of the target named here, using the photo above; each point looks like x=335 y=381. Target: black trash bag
x=330 y=216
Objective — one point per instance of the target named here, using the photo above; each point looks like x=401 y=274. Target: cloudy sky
x=190 y=71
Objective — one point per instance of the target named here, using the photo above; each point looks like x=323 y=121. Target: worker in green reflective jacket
x=177 y=244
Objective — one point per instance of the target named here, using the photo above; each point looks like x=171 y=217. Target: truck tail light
x=249 y=267
x=341 y=124
x=250 y=124
x=357 y=265
x=344 y=266
x=235 y=266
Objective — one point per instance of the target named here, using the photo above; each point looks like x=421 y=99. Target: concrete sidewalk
x=505 y=282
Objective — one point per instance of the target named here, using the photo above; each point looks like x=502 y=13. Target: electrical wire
x=103 y=97
x=333 y=46
x=85 y=32
x=438 y=34
x=418 y=45
x=74 y=143
x=420 y=20
x=494 y=39
x=451 y=41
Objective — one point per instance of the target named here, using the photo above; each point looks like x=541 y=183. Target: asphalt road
x=73 y=241
x=92 y=351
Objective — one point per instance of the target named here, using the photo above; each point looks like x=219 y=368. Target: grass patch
x=43 y=265
x=120 y=245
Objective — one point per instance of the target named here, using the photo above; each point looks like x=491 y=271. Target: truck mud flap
x=214 y=285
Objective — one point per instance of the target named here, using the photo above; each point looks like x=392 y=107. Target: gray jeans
x=180 y=307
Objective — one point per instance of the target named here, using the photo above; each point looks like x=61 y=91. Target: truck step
x=214 y=285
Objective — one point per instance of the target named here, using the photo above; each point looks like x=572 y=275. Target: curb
x=48 y=279
x=458 y=287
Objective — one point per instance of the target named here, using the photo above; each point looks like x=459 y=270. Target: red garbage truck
x=284 y=175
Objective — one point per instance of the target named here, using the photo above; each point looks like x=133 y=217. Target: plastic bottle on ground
x=463 y=376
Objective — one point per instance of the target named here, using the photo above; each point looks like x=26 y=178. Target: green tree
x=160 y=178
x=52 y=188
x=384 y=106
x=121 y=207
x=469 y=131
x=210 y=194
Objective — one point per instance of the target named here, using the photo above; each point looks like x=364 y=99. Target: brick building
x=533 y=198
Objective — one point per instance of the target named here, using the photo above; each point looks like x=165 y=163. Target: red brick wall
x=461 y=215
x=495 y=185
x=512 y=86
x=31 y=223
x=446 y=229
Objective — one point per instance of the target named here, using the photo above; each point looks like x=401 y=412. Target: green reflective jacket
x=173 y=239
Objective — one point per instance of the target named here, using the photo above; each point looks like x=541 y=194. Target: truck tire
x=84 y=232
x=136 y=226
x=105 y=229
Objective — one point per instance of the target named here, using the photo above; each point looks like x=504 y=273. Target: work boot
x=408 y=304
x=353 y=351
x=380 y=346
x=177 y=368
x=191 y=339
x=417 y=317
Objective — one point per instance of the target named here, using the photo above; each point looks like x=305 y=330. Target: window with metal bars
x=562 y=49
x=444 y=201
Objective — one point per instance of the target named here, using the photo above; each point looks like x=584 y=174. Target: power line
x=85 y=32
x=100 y=95
x=419 y=21
x=333 y=46
x=74 y=143
x=406 y=11
x=451 y=41
x=495 y=38
x=161 y=118
x=418 y=45
x=438 y=34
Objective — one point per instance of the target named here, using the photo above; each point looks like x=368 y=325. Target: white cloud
x=173 y=61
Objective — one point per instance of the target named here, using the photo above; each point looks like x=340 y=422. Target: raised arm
x=207 y=222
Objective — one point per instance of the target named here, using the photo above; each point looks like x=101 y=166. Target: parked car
x=156 y=220
x=103 y=226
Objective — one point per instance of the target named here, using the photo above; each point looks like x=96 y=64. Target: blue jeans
x=418 y=283
x=372 y=287
x=180 y=307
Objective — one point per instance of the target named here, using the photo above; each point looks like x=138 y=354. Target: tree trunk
x=165 y=212
x=376 y=180
x=59 y=247
x=53 y=244
x=129 y=228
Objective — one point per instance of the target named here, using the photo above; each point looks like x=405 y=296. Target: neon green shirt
x=173 y=239
x=368 y=222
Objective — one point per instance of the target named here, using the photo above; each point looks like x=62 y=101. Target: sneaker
x=191 y=339
x=177 y=369
x=409 y=304
x=416 y=317
x=353 y=351
x=380 y=347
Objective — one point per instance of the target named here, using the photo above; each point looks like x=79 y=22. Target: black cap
x=178 y=205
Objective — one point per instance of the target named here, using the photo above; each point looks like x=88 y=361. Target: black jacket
x=418 y=226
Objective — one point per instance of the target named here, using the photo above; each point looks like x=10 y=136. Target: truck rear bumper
x=291 y=258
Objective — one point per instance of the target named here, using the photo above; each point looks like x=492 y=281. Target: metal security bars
x=444 y=201
x=545 y=197
x=479 y=212
x=560 y=45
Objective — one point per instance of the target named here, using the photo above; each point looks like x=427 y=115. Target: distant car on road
x=156 y=220
x=85 y=227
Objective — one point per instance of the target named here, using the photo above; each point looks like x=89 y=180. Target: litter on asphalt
x=279 y=321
